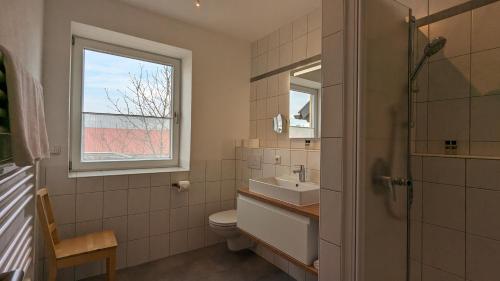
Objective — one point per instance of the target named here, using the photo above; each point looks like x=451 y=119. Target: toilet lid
x=223 y=218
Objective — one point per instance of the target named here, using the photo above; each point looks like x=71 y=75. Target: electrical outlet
x=277 y=159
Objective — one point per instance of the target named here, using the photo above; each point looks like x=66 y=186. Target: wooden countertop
x=311 y=211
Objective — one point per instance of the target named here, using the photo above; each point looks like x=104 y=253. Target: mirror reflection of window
x=301 y=101
x=304 y=104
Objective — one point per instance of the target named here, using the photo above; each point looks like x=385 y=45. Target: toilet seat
x=223 y=219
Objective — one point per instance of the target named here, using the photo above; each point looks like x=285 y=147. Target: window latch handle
x=176 y=118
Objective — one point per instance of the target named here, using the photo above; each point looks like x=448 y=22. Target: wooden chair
x=74 y=251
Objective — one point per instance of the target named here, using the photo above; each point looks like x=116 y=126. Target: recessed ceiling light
x=198 y=4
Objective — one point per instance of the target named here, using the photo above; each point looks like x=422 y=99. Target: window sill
x=85 y=174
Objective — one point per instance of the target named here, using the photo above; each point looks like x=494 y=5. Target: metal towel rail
x=17 y=211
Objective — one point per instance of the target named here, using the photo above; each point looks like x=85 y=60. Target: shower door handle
x=391 y=182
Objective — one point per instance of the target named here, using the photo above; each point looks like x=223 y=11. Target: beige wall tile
x=90 y=184
x=119 y=227
x=444 y=248
x=490 y=149
x=213 y=170
x=485 y=116
x=484 y=67
x=178 y=242
x=213 y=191
x=273 y=86
x=88 y=206
x=449 y=78
x=263 y=45
x=161 y=179
x=484 y=25
x=417 y=207
x=137 y=252
x=138 y=226
x=115 y=182
x=313 y=160
x=444 y=170
x=299 y=27
x=314 y=43
x=138 y=200
x=422 y=122
x=444 y=205
x=449 y=120
x=314 y=20
x=140 y=180
x=228 y=169
x=179 y=219
x=64 y=208
x=483 y=173
x=298 y=157
x=196 y=215
x=332 y=113
x=483 y=209
x=331 y=213
x=159 y=246
x=482 y=258
x=115 y=203
x=333 y=63
x=159 y=222
x=457 y=32
x=331 y=258
x=286 y=54
x=274 y=40
x=331 y=161
x=299 y=48
x=273 y=59
x=333 y=16
x=196 y=238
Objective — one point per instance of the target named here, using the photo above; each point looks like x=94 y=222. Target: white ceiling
x=245 y=19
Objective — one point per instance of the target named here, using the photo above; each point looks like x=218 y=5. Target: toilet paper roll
x=183 y=186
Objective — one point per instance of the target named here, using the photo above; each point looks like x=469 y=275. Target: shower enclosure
x=428 y=140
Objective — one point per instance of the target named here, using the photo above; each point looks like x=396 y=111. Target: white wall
x=21 y=30
x=151 y=219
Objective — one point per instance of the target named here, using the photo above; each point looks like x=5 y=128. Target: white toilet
x=224 y=224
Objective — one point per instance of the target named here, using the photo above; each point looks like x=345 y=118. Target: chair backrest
x=47 y=221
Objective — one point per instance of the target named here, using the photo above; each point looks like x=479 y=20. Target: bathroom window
x=125 y=108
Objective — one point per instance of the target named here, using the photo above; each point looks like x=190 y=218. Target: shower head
x=431 y=49
x=434 y=46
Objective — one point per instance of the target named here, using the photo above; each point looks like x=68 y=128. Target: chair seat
x=85 y=244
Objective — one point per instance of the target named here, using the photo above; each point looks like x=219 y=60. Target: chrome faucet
x=302 y=173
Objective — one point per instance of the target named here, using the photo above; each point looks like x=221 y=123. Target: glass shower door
x=382 y=148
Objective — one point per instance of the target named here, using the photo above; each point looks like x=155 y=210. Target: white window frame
x=76 y=163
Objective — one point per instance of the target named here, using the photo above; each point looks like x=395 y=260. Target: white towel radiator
x=17 y=220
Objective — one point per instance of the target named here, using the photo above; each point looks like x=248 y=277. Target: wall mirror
x=304 y=106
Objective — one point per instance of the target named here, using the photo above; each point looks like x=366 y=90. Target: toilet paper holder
x=181 y=186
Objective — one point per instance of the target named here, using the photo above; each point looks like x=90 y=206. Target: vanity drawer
x=293 y=234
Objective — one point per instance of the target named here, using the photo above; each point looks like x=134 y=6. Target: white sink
x=287 y=189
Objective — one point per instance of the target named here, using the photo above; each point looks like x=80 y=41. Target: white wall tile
x=444 y=248
x=160 y=198
x=449 y=78
x=482 y=258
x=160 y=179
x=228 y=169
x=484 y=25
x=115 y=182
x=444 y=205
x=196 y=238
x=178 y=219
x=331 y=161
x=298 y=157
x=197 y=173
x=482 y=212
x=137 y=252
x=484 y=119
x=87 y=227
x=299 y=48
x=159 y=246
x=140 y=180
x=228 y=190
x=331 y=216
x=313 y=160
x=178 y=242
x=178 y=198
x=314 y=43
x=476 y=171
x=64 y=208
x=90 y=184
x=333 y=64
x=314 y=20
x=286 y=54
x=286 y=34
x=196 y=215
x=89 y=206
x=115 y=203
x=456 y=30
x=274 y=40
x=213 y=191
x=138 y=226
x=333 y=16
x=159 y=222
x=138 y=200
x=330 y=257
x=444 y=170
x=213 y=170
x=196 y=193
x=332 y=115
x=119 y=226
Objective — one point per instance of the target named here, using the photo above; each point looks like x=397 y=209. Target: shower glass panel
x=383 y=134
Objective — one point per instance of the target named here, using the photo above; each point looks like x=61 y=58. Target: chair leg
x=52 y=272
x=111 y=267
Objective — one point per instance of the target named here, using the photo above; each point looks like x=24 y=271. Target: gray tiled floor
x=214 y=263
